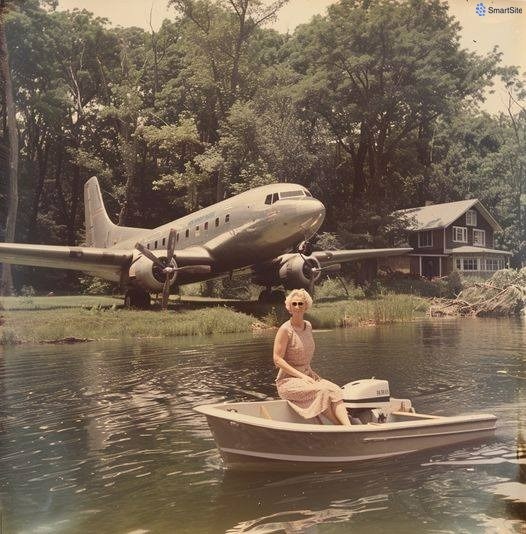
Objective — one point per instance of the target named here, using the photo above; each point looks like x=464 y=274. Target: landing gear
x=267 y=296
x=137 y=298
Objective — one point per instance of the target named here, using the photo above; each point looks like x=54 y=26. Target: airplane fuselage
x=252 y=227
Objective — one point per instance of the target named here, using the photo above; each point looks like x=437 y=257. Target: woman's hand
x=309 y=379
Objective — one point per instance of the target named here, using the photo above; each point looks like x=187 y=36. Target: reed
x=59 y=324
x=383 y=310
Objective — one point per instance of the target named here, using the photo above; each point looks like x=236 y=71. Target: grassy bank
x=382 y=310
x=50 y=325
x=50 y=319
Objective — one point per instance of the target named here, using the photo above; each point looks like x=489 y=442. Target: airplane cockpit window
x=268 y=200
x=291 y=194
x=307 y=193
x=275 y=198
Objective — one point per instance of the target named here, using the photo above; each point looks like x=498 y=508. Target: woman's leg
x=340 y=411
x=329 y=414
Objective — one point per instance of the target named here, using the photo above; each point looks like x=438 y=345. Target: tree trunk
x=6 y=283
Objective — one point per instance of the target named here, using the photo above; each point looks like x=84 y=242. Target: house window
x=467 y=264
x=460 y=234
x=494 y=264
x=227 y=218
x=425 y=239
x=479 y=237
x=471 y=218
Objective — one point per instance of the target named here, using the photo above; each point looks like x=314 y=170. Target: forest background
x=374 y=107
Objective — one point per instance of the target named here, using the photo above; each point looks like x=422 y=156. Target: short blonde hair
x=298 y=294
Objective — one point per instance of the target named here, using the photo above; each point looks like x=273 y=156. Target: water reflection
x=107 y=430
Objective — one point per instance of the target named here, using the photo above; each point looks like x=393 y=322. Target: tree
x=6 y=283
x=380 y=74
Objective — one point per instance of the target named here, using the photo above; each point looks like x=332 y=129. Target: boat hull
x=250 y=442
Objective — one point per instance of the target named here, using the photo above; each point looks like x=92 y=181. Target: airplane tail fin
x=100 y=231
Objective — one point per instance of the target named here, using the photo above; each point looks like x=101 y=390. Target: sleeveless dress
x=308 y=400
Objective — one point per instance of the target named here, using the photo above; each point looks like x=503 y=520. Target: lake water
x=102 y=438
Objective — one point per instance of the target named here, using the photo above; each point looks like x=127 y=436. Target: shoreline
x=54 y=320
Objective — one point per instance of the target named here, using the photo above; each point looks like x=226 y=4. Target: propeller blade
x=171 y=245
x=312 y=280
x=166 y=292
x=148 y=253
x=195 y=269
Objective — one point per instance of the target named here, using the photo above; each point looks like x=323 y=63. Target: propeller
x=168 y=265
x=312 y=272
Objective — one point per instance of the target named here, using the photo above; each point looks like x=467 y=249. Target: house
x=451 y=236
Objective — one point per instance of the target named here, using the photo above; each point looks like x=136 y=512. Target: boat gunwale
x=215 y=410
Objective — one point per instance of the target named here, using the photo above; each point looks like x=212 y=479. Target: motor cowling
x=296 y=271
x=366 y=393
x=149 y=275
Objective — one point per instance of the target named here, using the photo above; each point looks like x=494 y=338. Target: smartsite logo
x=481 y=10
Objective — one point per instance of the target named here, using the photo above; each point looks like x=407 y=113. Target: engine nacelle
x=149 y=275
x=295 y=271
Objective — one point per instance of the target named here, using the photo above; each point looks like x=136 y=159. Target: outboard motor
x=367 y=400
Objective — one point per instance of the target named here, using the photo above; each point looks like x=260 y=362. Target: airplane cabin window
x=176 y=238
x=147 y=245
x=227 y=218
x=187 y=233
x=275 y=198
x=268 y=200
x=197 y=230
x=206 y=225
x=164 y=241
x=217 y=221
x=155 y=246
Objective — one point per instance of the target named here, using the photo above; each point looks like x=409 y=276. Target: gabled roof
x=442 y=215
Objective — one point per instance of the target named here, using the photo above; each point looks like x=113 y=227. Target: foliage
x=373 y=107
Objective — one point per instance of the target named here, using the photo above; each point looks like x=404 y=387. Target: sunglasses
x=300 y=304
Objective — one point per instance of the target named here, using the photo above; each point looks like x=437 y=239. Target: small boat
x=271 y=435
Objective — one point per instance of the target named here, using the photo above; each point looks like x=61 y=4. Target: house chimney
x=429 y=203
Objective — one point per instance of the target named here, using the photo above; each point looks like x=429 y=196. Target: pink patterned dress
x=308 y=400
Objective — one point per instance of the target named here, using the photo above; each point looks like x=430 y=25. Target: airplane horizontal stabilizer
x=328 y=257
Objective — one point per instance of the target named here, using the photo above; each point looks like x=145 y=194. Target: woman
x=307 y=393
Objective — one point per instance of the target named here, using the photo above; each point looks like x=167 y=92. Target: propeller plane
x=266 y=230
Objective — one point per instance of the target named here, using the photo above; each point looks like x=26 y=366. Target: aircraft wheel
x=137 y=298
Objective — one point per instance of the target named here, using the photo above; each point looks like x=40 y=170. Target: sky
x=479 y=33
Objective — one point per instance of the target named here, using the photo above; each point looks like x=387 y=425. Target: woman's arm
x=280 y=346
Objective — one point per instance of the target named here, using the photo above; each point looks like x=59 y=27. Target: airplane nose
x=310 y=208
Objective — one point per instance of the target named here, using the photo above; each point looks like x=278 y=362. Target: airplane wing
x=331 y=257
x=87 y=258
x=60 y=257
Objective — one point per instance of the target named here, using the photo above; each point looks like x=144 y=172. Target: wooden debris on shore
x=67 y=340
x=504 y=294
